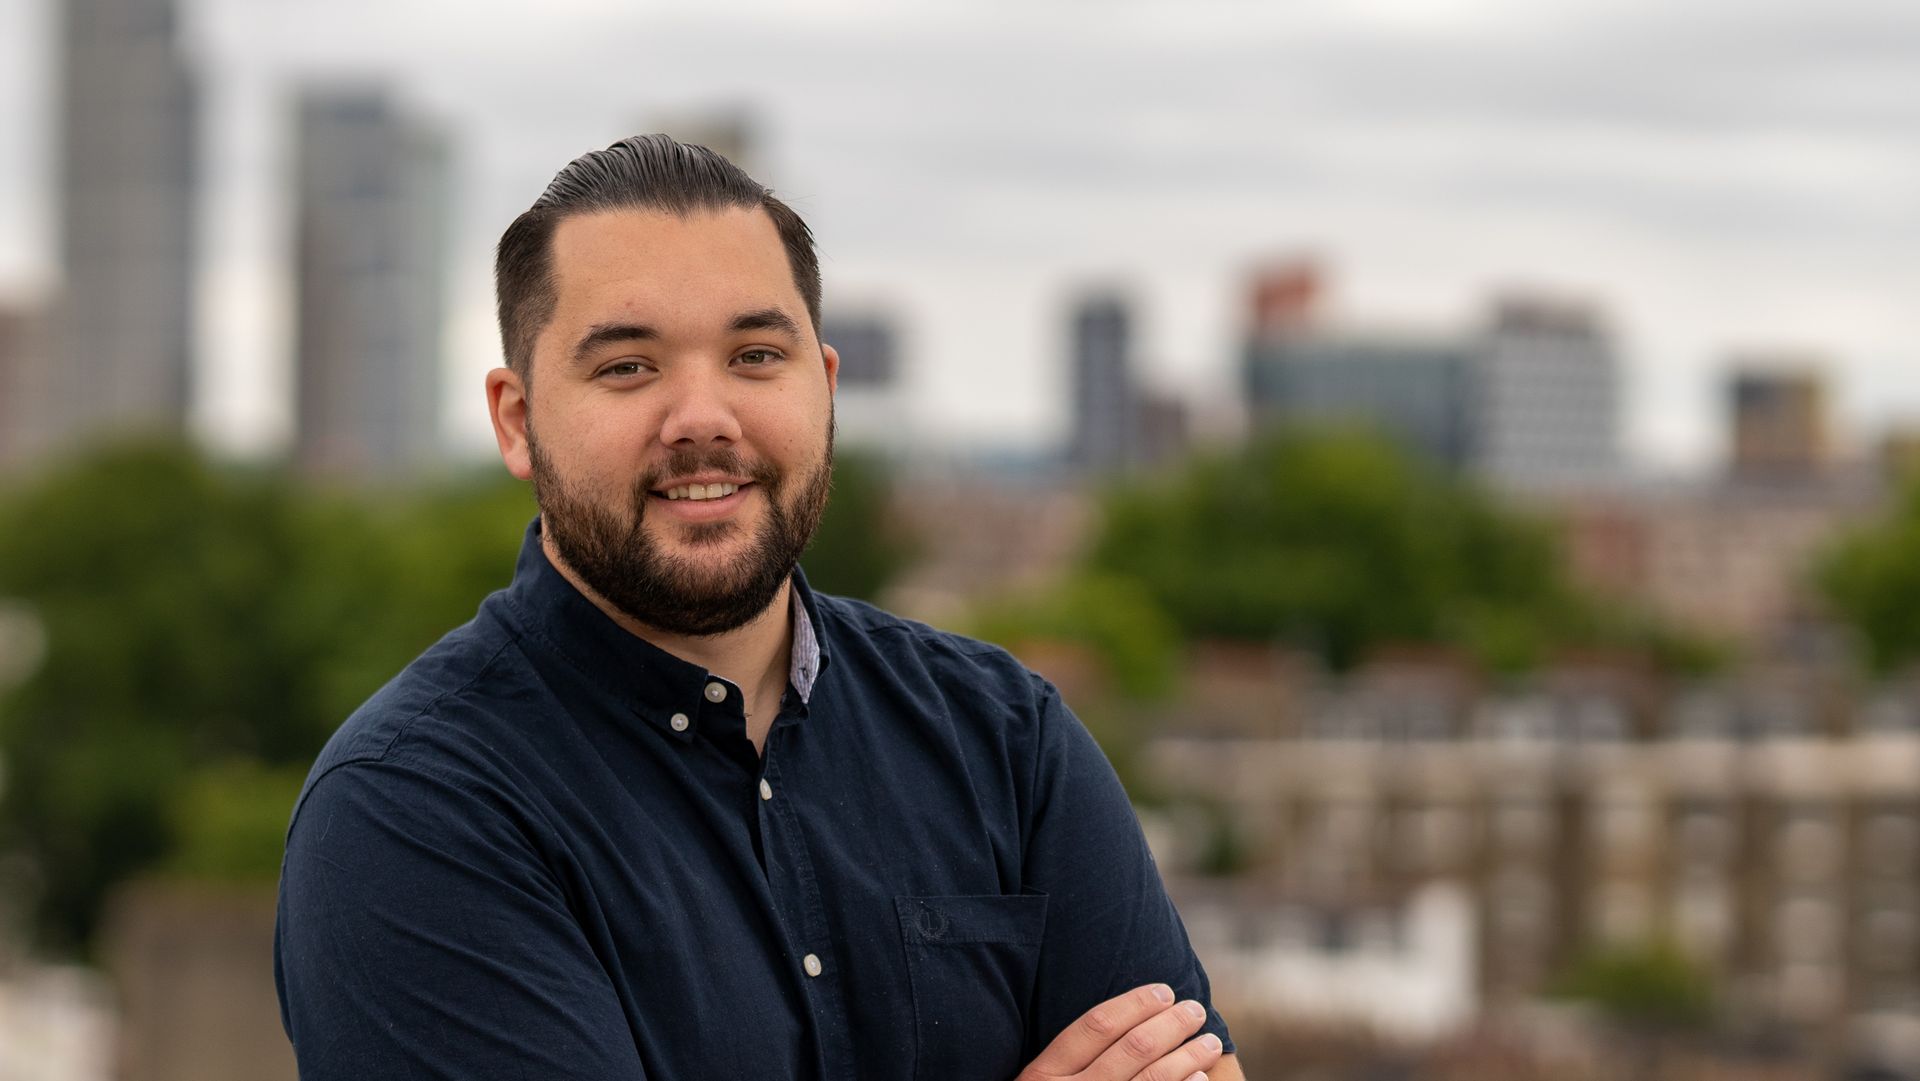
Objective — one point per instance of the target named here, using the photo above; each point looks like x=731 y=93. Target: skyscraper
x=1531 y=402
x=1778 y=408
x=868 y=353
x=1415 y=390
x=370 y=262
x=1549 y=398
x=870 y=410
x=1106 y=405
x=129 y=139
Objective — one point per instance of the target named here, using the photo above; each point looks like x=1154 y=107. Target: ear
x=507 y=404
x=832 y=358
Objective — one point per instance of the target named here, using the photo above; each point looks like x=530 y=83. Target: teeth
x=702 y=491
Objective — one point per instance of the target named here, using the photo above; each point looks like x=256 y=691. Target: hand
x=1140 y=1036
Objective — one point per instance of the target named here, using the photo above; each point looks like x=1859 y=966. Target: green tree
x=860 y=547
x=1652 y=987
x=1871 y=577
x=155 y=580
x=1337 y=542
x=201 y=618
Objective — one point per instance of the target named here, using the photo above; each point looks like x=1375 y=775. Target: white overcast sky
x=1718 y=176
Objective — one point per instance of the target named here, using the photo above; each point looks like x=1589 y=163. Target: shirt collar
x=639 y=676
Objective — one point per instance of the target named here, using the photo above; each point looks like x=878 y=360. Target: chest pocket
x=971 y=963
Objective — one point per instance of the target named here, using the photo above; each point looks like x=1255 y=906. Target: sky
x=1717 y=178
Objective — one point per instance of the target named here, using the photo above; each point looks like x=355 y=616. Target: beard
x=617 y=558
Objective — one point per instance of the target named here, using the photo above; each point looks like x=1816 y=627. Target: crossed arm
x=1139 y=1036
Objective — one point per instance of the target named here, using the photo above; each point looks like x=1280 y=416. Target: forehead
x=657 y=264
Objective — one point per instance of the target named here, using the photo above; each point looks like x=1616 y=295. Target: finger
x=1147 y=1043
x=1193 y=1058
x=1080 y=1043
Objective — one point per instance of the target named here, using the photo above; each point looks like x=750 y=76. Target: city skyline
x=1714 y=181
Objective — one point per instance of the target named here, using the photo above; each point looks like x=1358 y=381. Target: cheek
x=594 y=454
x=786 y=431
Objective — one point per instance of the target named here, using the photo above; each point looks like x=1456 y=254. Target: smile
x=702 y=491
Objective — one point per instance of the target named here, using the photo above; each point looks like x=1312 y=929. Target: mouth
x=701 y=502
x=698 y=492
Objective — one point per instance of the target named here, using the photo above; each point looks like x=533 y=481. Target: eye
x=757 y=358
x=625 y=369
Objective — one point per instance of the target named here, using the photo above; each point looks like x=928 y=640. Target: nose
x=699 y=409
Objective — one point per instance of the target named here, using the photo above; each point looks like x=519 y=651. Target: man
x=659 y=810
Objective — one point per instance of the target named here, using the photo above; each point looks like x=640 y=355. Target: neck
x=753 y=656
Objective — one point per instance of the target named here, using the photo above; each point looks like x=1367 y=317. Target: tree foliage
x=1336 y=542
x=206 y=629
x=1871 y=577
x=1651 y=986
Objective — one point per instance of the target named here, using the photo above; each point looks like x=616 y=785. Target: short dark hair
x=651 y=172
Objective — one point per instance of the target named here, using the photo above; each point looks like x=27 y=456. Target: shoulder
x=873 y=641
x=438 y=715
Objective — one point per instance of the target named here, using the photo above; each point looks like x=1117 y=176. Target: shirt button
x=811 y=963
x=766 y=790
x=716 y=691
x=679 y=722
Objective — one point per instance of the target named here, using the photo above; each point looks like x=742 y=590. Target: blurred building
x=1531 y=402
x=1778 y=417
x=25 y=369
x=983 y=536
x=1402 y=968
x=56 y=1024
x=1733 y=560
x=1768 y=824
x=370 y=249
x=1285 y=299
x=1418 y=392
x=1899 y=454
x=129 y=145
x=1549 y=398
x=870 y=408
x=868 y=348
x=193 y=967
x=1106 y=405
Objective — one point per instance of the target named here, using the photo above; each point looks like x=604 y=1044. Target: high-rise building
x=1779 y=417
x=1531 y=402
x=371 y=200
x=129 y=141
x=870 y=410
x=1285 y=298
x=1419 y=392
x=1106 y=401
x=868 y=352
x=1548 y=398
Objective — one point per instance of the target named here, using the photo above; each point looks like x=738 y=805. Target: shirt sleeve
x=421 y=936
x=1110 y=925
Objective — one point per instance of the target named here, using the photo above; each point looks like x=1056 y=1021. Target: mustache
x=726 y=460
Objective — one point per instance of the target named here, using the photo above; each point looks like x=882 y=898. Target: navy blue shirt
x=547 y=850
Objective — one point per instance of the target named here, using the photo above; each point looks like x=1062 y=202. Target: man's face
x=680 y=441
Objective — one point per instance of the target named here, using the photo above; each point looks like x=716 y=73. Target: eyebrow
x=604 y=333
x=765 y=319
